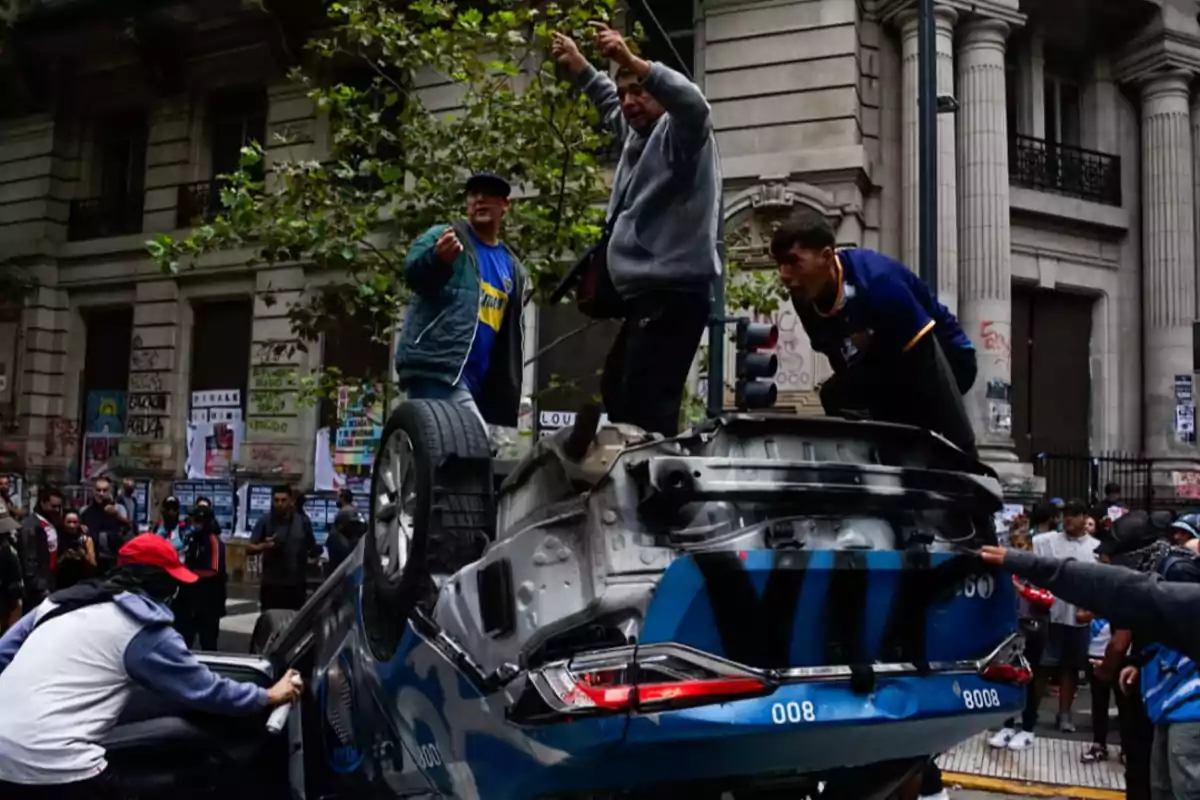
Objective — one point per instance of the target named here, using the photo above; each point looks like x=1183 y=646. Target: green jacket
x=441 y=320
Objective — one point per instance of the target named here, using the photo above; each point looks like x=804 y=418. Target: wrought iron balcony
x=98 y=217
x=197 y=203
x=1064 y=169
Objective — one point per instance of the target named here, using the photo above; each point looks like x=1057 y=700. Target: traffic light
x=755 y=369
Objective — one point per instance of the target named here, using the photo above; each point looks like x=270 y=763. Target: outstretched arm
x=1162 y=611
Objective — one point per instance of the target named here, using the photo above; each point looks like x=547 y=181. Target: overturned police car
x=764 y=605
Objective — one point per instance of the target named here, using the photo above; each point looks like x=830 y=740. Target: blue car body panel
x=422 y=726
x=969 y=608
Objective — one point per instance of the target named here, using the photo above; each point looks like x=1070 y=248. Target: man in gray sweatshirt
x=663 y=216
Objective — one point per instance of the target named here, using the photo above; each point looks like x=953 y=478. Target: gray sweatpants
x=1175 y=762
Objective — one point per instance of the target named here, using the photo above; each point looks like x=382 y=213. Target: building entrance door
x=1051 y=372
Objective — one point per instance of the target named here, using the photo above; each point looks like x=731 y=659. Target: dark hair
x=1074 y=508
x=102 y=479
x=282 y=488
x=806 y=229
x=1112 y=487
x=346 y=496
x=49 y=492
x=204 y=500
x=1043 y=512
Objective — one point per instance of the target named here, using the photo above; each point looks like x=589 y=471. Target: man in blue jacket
x=663 y=219
x=70 y=666
x=897 y=353
x=462 y=335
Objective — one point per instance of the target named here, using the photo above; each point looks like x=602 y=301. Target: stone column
x=155 y=439
x=947 y=146
x=985 y=275
x=1168 y=254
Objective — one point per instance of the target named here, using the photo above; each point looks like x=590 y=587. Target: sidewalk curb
x=982 y=784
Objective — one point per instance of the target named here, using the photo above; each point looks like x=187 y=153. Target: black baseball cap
x=1133 y=531
x=489 y=183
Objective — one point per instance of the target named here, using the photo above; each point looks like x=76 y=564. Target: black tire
x=269 y=625
x=452 y=512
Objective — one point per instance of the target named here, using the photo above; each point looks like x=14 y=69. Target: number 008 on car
x=793 y=713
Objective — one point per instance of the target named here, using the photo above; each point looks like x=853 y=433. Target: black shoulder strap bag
x=595 y=296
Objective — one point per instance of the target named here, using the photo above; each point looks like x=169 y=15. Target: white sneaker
x=1022 y=741
x=1002 y=737
x=942 y=795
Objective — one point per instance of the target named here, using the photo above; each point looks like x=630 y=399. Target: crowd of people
x=51 y=547
x=1124 y=649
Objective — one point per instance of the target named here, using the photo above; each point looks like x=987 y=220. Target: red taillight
x=1015 y=674
x=620 y=698
x=654 y=678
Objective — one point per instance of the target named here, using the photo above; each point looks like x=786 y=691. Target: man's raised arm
x=596 y=85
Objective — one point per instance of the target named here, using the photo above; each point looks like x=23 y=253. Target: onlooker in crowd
x=1045 y=518
x=1089 y=525
x=12 y=585
x=461 y=339
x=1185 y=529
x=286 y=544
x=171 y=526
x=1101 y=686
x=69 y=667
x=348 y=527
x=661 y=248
x=7 y=501
x=103 y=523
x=76 y=560
x=1067 y=638
x=1110 y=505
x=200 y=606
x=898 y=355
x=1033 y=613
x=1160 y=611
x=127 y=506
x=39 y=545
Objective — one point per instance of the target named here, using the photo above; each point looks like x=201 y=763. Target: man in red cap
x=69 y=667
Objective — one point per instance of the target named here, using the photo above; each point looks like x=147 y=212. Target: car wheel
x=268 y=627
x=432 y=509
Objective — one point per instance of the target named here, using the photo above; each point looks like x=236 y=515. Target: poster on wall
x=220 y=492
x=360 y=424
x=215 y=433
x=105 y=414
x=1185 y=410
x=98 y=451
x=321 y=507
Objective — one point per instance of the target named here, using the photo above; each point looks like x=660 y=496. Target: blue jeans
x=429 y=389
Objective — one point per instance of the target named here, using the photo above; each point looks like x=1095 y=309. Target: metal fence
x=1146 y=483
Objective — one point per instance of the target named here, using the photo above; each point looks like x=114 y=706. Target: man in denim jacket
x=462 y=334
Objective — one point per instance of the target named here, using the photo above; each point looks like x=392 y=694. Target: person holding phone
x=286 y=544
x=661 y=246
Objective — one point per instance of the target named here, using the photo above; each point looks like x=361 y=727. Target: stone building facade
x=1067 y=185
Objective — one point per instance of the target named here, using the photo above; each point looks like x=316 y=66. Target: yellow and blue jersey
x=881 y=309
x=495 y=287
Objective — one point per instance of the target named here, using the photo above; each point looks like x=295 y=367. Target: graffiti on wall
x=62 y=437
x=995 y=341
x=146 y=427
